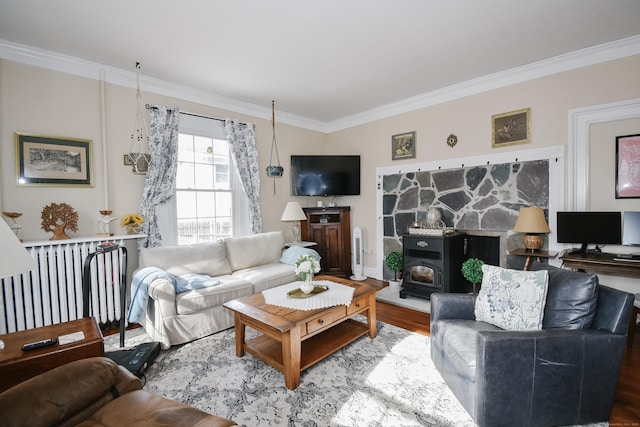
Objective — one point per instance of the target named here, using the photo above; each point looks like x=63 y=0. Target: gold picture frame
x=403 y=146
x=511 y=128
x=53 y=160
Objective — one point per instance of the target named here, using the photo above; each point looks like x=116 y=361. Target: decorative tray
x=297 y=293
x=432 y=231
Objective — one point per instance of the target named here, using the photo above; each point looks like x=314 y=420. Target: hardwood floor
x=626 y=408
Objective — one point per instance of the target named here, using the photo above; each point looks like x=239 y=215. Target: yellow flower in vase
x=132 y=223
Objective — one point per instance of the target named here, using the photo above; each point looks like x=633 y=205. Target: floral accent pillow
x=512 y=299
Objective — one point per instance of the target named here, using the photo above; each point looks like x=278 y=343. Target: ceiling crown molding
x=578 y=59
x=585 y=57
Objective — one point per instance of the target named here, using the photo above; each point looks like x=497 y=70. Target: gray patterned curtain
x=160 y=182
x=242 y=141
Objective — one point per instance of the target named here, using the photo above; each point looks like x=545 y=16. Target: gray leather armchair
x=564 y=374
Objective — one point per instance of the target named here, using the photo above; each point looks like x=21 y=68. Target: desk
x=531 y=254
x=17 y=365
x=601 y=263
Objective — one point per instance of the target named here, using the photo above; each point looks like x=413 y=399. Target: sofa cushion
x=257 y=249
x=202 y=258
x=457 y=339
x=230 y=287
x=572 y=298
x=267 y=276
x=512 y=299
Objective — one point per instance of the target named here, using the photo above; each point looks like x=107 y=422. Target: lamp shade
x=293 y=212
x=531 y=220
x=14 y=259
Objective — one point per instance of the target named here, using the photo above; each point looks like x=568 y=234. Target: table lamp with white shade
x=531 y=221
x=293 y=212
x=15 y=259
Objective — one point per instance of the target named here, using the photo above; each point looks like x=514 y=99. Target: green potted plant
x=395 y=262
x=472 y=271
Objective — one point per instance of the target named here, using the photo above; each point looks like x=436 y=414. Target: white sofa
x=243 y=265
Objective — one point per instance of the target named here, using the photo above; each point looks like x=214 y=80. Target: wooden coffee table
x=292 y=340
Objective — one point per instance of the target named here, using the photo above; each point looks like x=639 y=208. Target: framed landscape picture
x=403 y=146
x=511 y=128
x=628 y=167
x=52 y=160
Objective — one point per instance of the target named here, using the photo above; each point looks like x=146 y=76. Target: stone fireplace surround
x=479 y=196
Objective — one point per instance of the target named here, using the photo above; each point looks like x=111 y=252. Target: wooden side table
x=17 y=365
x=538 y=255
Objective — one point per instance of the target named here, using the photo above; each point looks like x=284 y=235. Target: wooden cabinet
x=330 y=228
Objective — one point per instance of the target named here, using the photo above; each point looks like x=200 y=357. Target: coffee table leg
x=240 y=333
x=371 y=316
x=291 y=352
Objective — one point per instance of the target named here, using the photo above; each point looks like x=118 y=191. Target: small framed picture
x=403 y=146
x=628 y=167
x=511 y=128
x=53 y=160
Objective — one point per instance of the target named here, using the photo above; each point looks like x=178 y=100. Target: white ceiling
x=322 y=61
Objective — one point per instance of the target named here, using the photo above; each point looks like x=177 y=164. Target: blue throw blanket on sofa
x=145 y=276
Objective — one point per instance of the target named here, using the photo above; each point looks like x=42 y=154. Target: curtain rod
x=149 y=107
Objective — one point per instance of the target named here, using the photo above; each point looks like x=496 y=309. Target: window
x=210 y=203
x=203 y=190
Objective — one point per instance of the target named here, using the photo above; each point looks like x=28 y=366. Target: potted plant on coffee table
x=395 y=262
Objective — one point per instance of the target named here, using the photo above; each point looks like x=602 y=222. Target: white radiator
x=52 y=293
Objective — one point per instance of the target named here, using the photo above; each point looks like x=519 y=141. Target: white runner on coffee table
x=337 y=294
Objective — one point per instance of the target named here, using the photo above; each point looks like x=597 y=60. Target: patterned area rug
x=387 y=381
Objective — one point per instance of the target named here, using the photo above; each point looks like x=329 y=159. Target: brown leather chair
x=95 y=392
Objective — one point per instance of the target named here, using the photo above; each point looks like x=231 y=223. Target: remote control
x=39 y=344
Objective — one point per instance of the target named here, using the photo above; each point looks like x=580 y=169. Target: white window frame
x=167 y=213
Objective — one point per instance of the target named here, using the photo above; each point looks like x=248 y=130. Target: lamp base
x=295 y=229
x=532 y=242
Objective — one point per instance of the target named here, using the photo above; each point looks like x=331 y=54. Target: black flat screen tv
x=584 y=228
x=325 y=175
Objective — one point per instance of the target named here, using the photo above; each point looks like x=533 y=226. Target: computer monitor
x=598 y=228
x=631 y=229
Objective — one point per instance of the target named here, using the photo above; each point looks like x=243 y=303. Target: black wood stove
x=433 y=264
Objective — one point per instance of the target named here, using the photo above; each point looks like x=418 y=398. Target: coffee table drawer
x=358 y=304
x=327 y=319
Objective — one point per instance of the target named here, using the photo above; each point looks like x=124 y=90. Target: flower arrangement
x=307 y=264
x=132 y=222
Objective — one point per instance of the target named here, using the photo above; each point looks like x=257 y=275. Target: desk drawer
x=358 y=304
x=326 y=319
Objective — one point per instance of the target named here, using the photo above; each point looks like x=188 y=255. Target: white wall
x=38 y=100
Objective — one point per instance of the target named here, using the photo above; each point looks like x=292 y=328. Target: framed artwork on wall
x=511 y=128
x=628 y=167
x=403 y=146
x=53 y=160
